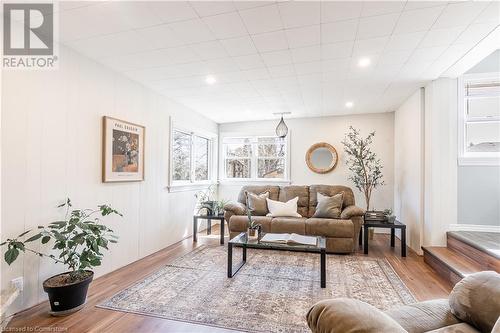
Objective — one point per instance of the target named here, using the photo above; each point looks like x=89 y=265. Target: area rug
x=271 y=293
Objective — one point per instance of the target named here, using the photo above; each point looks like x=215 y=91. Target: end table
x=209 y=219
x=392 y=226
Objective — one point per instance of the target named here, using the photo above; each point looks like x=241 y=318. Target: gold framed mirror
x=321 y=157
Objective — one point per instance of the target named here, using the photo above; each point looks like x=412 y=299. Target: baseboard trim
x=474 y=227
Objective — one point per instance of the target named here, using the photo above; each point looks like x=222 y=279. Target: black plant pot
x=67 y=298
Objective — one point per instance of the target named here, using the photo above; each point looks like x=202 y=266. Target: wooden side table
x=392 y=226
x=209 y=219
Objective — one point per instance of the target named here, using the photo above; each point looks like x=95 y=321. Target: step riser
x=487 y=262
x=441 y=268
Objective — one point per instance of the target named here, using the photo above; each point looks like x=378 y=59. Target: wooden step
x=480 y=247
x=449 y=264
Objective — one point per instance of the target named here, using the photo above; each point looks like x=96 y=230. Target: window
x=191 y=158
x=255 y=158
x=479 y=119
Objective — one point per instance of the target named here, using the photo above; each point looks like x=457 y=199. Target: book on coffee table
x=289 y=239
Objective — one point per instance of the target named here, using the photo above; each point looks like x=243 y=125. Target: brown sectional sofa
x=341 y=234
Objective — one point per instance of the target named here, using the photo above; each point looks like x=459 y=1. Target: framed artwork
x=122 y=151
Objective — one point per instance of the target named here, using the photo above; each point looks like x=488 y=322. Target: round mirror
x=321 y=157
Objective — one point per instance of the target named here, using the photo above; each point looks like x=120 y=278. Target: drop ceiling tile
x=337 y=50
x=475 y=32
x=437 y=37
x=181 y=54
x=220 y=65
x=270 y=41
x=256 y=74
x=490 y=14
x=121 y=43
x=340 y=10
x=277 y=58
x=172 y=11
x=371 y=8
x=394 y=57
x=136 y=14
x=423 y=55
x=308 y=68
x=249 y=61
x=376 y=26
x=192 y=31
x=240 y=5
x=404 y=41
x=417 y=20
x=369 y=46
x=209 y=50
x=304 y=36
x=410 y=5
x=208 y=8
x=336 y=65
x=262 y=19
x=73 y=24
x=299 y=13
x=226 y=25
x=239 y=46
x=161 y=36
x=458 y=14
x=306 y=54
x=281 y=71
x=338 y=31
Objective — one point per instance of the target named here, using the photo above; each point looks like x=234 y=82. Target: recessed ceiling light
x=349 y=104
x=210 y=79
x=363 y=62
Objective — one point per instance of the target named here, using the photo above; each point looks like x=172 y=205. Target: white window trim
x=179 y=185
x=471 y=158
x=254 y=158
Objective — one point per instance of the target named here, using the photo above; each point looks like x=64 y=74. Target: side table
x=392 y=226
x=209 y=219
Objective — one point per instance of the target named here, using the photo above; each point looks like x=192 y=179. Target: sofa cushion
x=258 y=189
x=476 y=299
x=288 y=225
x=344 y=315
x=329 y=207
x=239 y=223
x=329 y=191
x=424 y=316
x=257 y=203
x=457 y=328
x=302 y=192
x=329 y=227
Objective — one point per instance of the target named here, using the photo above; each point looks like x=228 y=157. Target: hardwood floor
x=423 y=282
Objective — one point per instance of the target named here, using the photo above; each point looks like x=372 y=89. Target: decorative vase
x=391 y=219
x=252 y=234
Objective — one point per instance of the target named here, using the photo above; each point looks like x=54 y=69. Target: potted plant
x=253 y=228
x=389 y=216
x=206 y=200
x=219 y=206
x=79 y=239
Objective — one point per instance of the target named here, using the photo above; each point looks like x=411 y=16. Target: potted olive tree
x=253 y=227
x=79 y=239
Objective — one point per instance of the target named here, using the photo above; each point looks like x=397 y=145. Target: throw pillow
x=283 y=209
x=329 y=207
x=257 y=203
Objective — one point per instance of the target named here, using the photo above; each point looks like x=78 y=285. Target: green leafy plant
x=365 y=167
x=252 y=224
x=388 y=212
x=79 y=238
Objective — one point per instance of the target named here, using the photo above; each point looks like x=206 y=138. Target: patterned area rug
x=271 y=293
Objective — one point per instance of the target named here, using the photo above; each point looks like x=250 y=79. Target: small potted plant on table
x=390 y=217
x=253 y=229
x=79 y=238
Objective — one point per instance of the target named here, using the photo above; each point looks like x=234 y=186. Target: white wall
x=409 y=167
x=51 y=149
x=304 y=132
x=440 y=160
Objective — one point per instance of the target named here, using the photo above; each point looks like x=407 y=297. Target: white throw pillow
x=283 y=209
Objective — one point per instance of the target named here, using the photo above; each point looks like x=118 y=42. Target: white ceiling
x=278 y=56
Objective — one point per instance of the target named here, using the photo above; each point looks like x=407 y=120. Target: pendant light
x=282 y=129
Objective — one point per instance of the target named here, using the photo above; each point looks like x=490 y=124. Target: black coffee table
x=392 y=226
x=242 y=241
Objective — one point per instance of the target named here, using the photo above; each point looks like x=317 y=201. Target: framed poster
x=122 y=151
